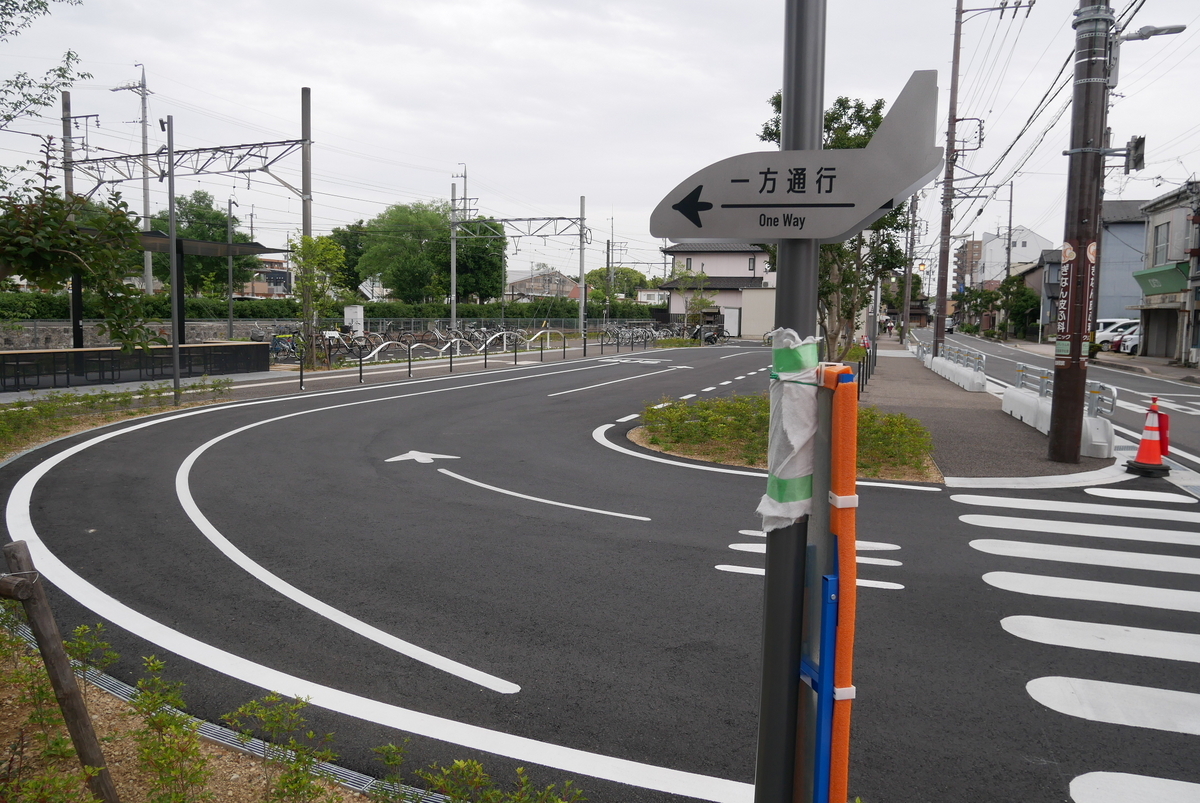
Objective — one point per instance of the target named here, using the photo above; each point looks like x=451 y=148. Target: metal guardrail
x=1101 y=399
x=968 y=358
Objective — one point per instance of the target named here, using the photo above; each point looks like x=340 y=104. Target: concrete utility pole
x=454 y=257
x=908 y=264
x=178 y=321
x=939 y=324
x=780 y=774
x=1009 y=242
x=147 y=260
x=1081 y=242
x=229 y=240
x=582 y=277
x=306 y=161
x=69 y=190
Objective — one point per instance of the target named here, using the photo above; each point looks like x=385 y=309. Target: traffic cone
x=1149 y=462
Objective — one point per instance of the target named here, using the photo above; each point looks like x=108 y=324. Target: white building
x=728 y=269
x=1027 y=246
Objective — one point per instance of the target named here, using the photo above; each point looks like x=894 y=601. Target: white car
x=1105 y=337
x=1127 y=342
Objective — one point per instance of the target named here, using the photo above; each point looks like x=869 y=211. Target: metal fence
x=1101 y=399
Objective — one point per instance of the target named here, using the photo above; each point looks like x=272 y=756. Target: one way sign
x=816 y=195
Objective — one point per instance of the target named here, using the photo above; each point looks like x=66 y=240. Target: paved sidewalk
x=972 y=437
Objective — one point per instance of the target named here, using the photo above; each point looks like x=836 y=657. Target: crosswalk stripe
x=1082 y=508
x=1057 y=527
x=1170 y=599
x=1099 y=637
x=1123 y=787
x=870 y=546
x=1144 y=496
x=1119 y=703
x=1090 y=557
x=861 y=583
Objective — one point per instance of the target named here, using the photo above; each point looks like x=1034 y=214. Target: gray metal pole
x=306 y=162
x=908 y=265
x=454 y=258
x=939 y=324
x=582 y=280
x=796 y=300
x=147 y=257
x=177 y=319
x=229 y=261
x=69 y=190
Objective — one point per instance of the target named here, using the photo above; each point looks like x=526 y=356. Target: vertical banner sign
x=1074 y=304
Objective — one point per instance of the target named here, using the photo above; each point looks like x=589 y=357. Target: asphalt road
x=515 y=591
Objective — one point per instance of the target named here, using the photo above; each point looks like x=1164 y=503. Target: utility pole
x=908 y=265
x=306 y=161
x=147 y=257
x=939 y=324
x=608 y=266
x=1009 y=242
x=582 y=277
x=178 y=321
x=229 y=257
x=1081 y=243
x=69 y=190
x=454 y=257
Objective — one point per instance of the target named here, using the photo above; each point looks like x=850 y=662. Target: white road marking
x=1123 y=787
x=1101 y=476
x=739 y=354
x=20 y=527
x=1169 y=599
x=877 y=561
x=1089 y=557
x=861 y=583
x=759 y=548
x=598 y=437
x=758 y=533
x=1175 y=452
x=1117 y=639
x=628 y=418
x=739 y=377
x=869 y=546
x=1119 y=703
x=613 y=382
x=507 y=492
x=420 y=457
x=706 y=390
x=1080 y=508
x=1058 y=527
x=899 y=485
x=688 y=396
x=726 y=382
x=1141 y=496
x=660 y=406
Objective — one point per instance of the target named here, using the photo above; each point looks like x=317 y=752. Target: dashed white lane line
x=1080 y=508
x=507 y=492
x=1119 y=704
x=1143 y=496
x=762 y=572
x=706 y=390
x=1057 y=527
x=1122 y=787
x=739 y=377
x=688 y=396
x=1169 y=599
x=613 y=382
x=727 y=382
x=660 y=406
x=1089 y=557
x=1117 y=639
x=628 y=418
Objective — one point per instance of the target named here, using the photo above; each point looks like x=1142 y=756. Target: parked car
x=1120 y=340
x=1105 y=337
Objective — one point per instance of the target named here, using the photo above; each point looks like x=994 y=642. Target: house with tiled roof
x=729 y=270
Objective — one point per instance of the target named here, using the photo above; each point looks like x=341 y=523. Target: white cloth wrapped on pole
x=793 y=430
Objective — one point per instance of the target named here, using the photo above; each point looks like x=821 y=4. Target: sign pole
x=801 y=128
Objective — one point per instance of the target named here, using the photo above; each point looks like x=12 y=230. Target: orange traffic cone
x=1149 y=462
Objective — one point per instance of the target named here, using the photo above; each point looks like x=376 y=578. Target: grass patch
x=33 y=421
x=734 y=429
x=675 y=342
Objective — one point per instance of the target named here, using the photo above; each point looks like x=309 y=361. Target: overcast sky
x=549 y=100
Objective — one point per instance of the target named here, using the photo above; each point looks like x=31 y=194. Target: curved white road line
x=20 y=527
x=275 y=582
x=1122 y=787
x=598 y=437
x=479 y=484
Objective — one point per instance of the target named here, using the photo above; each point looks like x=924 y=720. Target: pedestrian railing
x=1100 y=399
x=968 y=358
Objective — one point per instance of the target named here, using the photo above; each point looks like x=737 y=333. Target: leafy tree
x=626 y=281
x=1018 y=301
x=408 y=249
x=317 y=260
x=197 y=218
x=976 y=301
x=23 y=94
x=353 y=239
x=849 y=270
x=46 y=237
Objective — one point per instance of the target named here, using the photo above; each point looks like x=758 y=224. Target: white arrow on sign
x=826 y=195
x=421 y=457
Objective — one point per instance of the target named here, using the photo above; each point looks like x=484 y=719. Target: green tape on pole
x=796 y=358
x=794 y=490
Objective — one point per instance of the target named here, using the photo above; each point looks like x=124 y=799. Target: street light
x=1141 y=34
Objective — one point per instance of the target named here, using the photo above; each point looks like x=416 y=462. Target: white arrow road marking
x=1123 y=787
x=421 y=457
x=539 y=499
x=1106 y=638
x=1168 y=599
x=615 y=381
x=1119 y=703
x=1090 y=557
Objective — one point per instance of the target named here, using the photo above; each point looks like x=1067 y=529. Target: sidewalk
x=972 y=437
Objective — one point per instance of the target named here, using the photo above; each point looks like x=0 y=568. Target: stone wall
x=26 y=335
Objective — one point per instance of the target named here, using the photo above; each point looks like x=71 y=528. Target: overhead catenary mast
x=140 y=88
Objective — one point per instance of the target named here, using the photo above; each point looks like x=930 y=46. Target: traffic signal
x=1135 y=154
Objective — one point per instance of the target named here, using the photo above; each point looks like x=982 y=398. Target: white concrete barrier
x=1027 y=407
x=966 y=378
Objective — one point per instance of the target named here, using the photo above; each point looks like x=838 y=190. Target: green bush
x=890 y=440
x=969 y=328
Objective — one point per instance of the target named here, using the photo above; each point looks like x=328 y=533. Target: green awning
x=1171 y=278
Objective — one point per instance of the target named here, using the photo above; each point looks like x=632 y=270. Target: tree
x=626 y=281
x=198 y=218
x=850 y=269
x=408 y=249
x=1018 y=301
x=317 y=260
x=23 y=94
x=46 y=237
x=353 y=239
